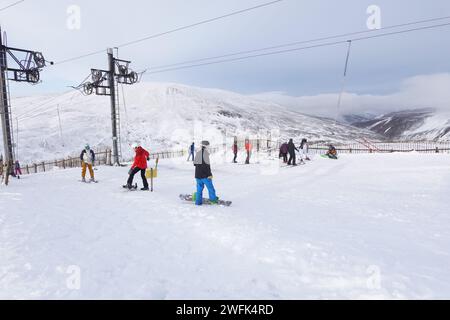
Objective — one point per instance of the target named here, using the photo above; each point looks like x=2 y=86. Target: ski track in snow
x=315 y=231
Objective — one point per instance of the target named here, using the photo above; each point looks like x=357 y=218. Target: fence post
x=28 y=169
x=151 y=179
x=437 y=149
x=43 y=165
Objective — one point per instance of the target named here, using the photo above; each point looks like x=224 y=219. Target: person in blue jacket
x=191 y=152
x=203 y=175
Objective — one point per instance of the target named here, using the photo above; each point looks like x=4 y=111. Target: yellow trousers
x=84 y=166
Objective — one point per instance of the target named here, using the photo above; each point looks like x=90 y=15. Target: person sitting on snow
x=332 y=152
x=87 y=158
x=139 y=165
x=203 y=175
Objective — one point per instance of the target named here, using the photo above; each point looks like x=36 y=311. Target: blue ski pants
x=201 y=183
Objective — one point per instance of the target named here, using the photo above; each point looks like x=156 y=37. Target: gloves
x=210 y=178
x=148 y=158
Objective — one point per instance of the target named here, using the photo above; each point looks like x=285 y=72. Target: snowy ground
x=366 y=226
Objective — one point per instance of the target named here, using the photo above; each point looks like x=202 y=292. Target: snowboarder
x=17 y=170
x=248 y=148
x=87 y=158
x=139 y=165
x=332 y=152
x=304 y=148
x=291 y=149
x=284 y=152
x=191 y=152
x=203 y=175
x=235 y=150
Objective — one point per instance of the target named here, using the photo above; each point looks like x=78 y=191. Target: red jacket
x=140 y=160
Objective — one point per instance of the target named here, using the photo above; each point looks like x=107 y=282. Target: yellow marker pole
x=151 y=179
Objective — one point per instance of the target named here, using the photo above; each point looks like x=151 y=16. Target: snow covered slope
x=412 y=125
x=331 y=229
x=161 y=116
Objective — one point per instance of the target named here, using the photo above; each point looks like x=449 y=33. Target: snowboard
x=327 y=157
x=190 y=198
x=133 y=188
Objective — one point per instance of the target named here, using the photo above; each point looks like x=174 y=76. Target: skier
x=191 y=152
x=235 y=150
x=87 y=158
x=304 y=148
x=140 y=164
x=332 y=152
x=203 y=175
x=248 y=148
x=284 y=152
x=291 y=149
x=17 y=170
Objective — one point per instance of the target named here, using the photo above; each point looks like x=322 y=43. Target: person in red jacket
x=248 y=148
x=140 y=164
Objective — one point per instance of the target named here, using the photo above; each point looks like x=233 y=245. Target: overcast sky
x=377 y=66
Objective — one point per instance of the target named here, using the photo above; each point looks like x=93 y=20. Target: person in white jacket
x=304 y=149
x=87 y=158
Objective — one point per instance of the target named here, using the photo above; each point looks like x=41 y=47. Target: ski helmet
x=87 y=146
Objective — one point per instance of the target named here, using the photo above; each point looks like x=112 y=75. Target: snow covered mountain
x=419 y=124
x=160 y=116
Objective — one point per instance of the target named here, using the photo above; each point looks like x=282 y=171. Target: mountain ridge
x=163 y=116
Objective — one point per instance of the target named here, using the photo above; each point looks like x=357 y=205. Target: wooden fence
x=264 y=145
x=101 y=158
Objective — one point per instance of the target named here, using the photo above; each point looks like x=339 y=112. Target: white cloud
x=424 y=91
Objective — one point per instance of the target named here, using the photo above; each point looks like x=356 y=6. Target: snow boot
x=215 y=201
x=145 y=189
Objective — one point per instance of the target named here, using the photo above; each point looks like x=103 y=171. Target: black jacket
x=202 y=165
x=291 y=148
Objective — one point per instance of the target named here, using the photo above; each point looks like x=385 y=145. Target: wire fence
x=391 y=147
x=358 y=147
